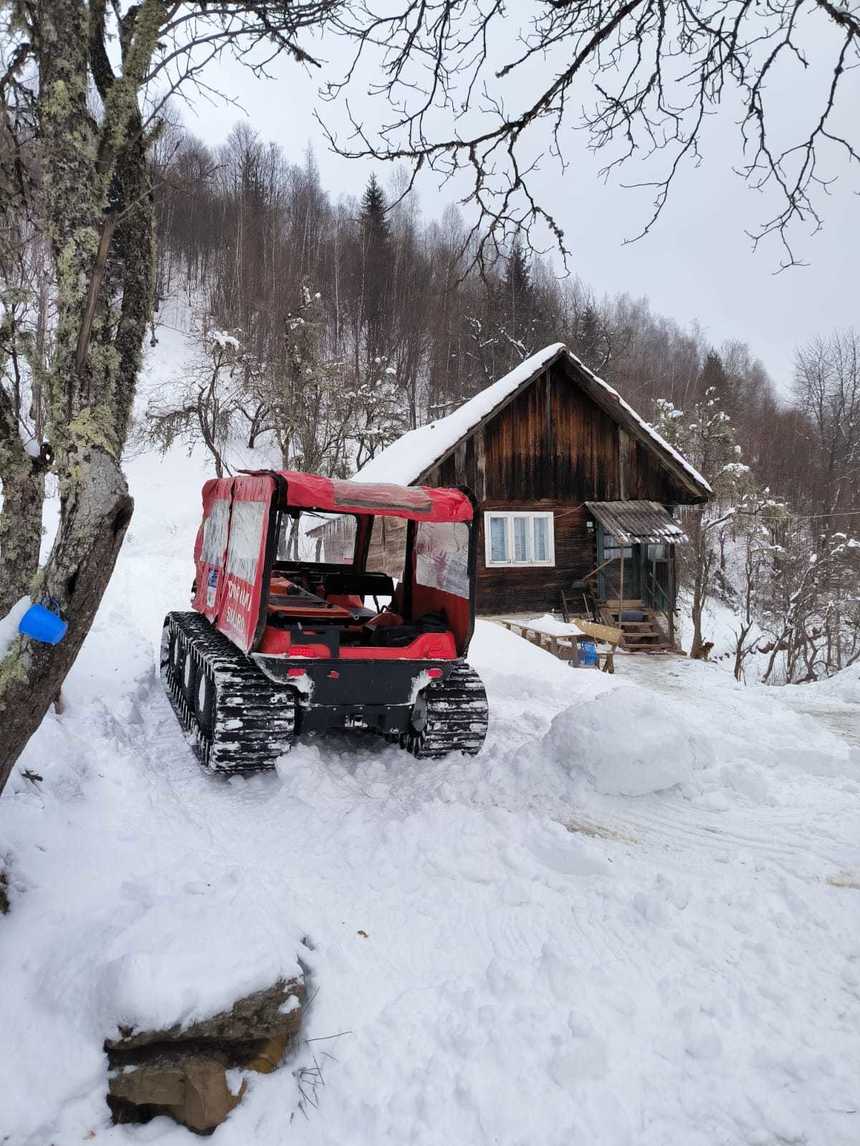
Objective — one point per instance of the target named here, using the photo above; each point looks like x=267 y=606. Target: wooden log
x=607 y=633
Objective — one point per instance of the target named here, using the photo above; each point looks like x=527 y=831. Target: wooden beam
x=607 y=633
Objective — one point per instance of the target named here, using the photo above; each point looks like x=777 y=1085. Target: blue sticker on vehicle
x=211 y=588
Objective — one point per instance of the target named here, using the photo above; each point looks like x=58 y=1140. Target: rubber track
x=457 y=717
x=254 y=719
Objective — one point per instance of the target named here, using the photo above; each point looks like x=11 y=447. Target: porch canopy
x=637 y=522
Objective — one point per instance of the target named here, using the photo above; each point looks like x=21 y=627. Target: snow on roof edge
x=418 y=450
x=646 y=426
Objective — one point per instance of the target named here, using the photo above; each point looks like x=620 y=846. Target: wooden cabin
x=577 y=494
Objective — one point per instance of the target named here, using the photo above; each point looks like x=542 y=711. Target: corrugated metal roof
x=635 y=522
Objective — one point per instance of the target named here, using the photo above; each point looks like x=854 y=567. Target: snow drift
x=628 y=743
x=504 y=949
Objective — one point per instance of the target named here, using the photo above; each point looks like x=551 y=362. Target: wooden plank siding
x=551 y=448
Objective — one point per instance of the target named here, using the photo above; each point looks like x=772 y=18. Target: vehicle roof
x=373 y=499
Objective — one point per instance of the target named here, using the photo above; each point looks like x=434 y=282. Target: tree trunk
x=93 y=521
x=703 y=559
x=697 y=605
x=20 y=526
x=696 y=647
x=99 y=217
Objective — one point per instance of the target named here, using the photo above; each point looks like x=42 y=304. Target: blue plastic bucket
x=588 y=651
x=41 y=624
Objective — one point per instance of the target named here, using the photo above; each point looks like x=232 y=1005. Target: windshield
x=304 y=535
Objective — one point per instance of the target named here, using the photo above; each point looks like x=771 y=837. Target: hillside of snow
x=631 y=921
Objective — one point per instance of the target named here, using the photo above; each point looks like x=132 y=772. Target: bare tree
x=209 y=402
x=639 y=77
x=707 y=437
x=827 y=384
x=758 y=526
x=79 y=170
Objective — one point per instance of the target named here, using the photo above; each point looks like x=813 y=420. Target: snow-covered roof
x=417 y=451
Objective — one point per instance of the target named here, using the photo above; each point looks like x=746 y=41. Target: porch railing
x=658 y=597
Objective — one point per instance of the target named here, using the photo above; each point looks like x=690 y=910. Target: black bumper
x=375 y=695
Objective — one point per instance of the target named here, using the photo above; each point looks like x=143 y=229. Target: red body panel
x=427 y=646
x=412 y=503
x=456 y=610
x=230 y=575
x=210 y=549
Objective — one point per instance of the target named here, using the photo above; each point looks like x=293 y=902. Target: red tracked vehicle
x=280 y=644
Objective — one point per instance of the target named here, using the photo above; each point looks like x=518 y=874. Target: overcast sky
x=696 y=265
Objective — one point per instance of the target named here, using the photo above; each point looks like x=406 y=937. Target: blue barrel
x=40 y=624
x=588 y=654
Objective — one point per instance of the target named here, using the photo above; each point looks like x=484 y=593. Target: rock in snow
x=182 y=1071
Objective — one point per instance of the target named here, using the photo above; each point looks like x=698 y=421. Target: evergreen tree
x=377 y=269
x=590 y=339
x=714 y=380
x=518 y=301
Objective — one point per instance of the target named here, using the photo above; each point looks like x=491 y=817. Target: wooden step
x=641 y=615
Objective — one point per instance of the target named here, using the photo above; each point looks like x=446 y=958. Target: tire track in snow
x=788 y=841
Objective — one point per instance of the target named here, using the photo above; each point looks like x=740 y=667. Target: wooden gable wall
x=552 y=448
x=552 y=442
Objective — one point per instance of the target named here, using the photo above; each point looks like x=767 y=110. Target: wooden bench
x=566 y=648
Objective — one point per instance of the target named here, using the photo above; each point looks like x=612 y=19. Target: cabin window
x=519 y=539
x=613 y=549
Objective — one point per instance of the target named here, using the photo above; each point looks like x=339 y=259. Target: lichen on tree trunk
x=94 y=519
x=98 y=216
x=20 y=523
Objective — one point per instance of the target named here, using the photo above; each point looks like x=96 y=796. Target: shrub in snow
x=627 y=743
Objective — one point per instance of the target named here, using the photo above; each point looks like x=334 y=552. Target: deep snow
x=510 y=949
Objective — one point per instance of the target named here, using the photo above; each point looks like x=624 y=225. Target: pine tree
x=714 y=380
x=377 y=269
x=517 y=282
x=590 y=339
x=518 y=298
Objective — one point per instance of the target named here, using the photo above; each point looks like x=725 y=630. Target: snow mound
x=844 y=686
x=628 y=742
x=175 y=957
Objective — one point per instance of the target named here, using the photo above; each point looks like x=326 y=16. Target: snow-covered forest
x=333 y=323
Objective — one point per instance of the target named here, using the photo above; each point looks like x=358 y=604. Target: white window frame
x=508 y=517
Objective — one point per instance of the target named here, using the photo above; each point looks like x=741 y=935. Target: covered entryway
x=635 y=569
